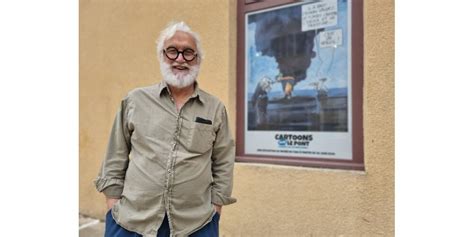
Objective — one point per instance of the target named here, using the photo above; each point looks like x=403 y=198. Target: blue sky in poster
x=329 y=62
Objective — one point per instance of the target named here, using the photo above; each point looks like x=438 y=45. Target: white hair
x=265 y=83
x=169 y=32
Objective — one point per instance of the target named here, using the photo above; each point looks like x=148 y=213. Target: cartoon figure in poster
x=260 y=101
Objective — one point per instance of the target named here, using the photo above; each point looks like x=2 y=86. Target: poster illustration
x=298 y=80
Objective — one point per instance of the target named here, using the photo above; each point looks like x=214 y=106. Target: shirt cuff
x=112 y=188
x=113 y=191
x=221 y=200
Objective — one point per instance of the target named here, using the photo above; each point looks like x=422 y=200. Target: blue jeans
x=112 y=229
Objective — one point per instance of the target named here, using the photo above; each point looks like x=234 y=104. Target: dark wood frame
x=357 y=162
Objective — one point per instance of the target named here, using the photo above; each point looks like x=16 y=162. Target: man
x=169 y=163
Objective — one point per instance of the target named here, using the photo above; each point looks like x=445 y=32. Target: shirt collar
x=196 y=94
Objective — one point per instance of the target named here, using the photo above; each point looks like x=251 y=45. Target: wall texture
x=117 y=54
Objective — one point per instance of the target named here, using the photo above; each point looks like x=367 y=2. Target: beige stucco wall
x=117 y=53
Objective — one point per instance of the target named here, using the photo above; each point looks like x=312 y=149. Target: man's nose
x=180 y=58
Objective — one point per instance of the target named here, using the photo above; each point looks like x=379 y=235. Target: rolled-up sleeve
x=111 y=177
x=223 y=157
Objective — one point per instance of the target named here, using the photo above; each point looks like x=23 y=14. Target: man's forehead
x=181 y=39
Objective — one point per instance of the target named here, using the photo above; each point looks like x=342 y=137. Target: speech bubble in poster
x=330 y=38
x=318 y=15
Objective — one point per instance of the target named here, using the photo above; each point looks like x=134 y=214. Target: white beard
x=179 y=80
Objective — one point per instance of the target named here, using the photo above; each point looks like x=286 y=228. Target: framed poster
x=300 y=83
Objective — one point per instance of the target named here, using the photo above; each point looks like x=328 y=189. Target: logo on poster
x=293 y=140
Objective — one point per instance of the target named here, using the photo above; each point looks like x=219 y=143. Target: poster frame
x=357 y=49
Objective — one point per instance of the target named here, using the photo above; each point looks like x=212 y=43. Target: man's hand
x=217 y=208
x=111 y=202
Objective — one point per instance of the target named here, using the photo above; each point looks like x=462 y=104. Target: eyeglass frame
x=180 y=52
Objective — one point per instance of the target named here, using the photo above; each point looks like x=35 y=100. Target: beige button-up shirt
x=160 y=160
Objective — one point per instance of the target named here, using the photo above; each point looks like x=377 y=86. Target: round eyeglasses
x=172 y=53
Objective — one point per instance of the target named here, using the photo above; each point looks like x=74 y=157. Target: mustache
x=174 y=64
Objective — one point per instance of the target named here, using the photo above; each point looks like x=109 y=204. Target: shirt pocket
x=198 y=137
